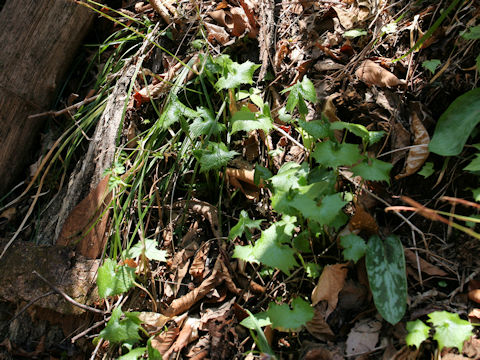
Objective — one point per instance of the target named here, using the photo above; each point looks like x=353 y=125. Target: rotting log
x=38 y=41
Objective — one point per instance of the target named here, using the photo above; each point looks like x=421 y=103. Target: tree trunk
x=38 y=40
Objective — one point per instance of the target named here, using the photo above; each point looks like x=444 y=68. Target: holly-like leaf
x=456 y=124
x=245 y=120
x=284 y=318
x=215 y=156
x=319 y=129
x=450 y=330
x=354 y=247
x=385 y=263
x=270 y=250
x=124 y=330
x=237 y=74
x=174 y=111
x=151 y=252
x=205 y=124
x=332 y=155
x=244 y=225
x=113 y=279
x=373 y=169
x=417 y=333
x=431 y=65
x=299 y=92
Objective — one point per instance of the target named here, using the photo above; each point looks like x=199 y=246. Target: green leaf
x=431 y=65
x=473 y=33
x=354 y=247
x=477 y=61
x=307 y=90
x=390 y=28
x=244 y=225
x=375 y=136
x=332 y=155
x=456 y=124
x=284 y=318
x=290 y=176
x=153 y=354
x=122 y=330
x=245 y=120
x=385 y=263
x=312 y=270
x=113 y=279
x=450 y=330
x=474 y=165
x=215 y=156
x=260 y=339
x=260 y=320
x=150 y=250
x=270 y=250
x=417 y=333
x=298 y=93
x=476 y=194
x=261 y=173
x=134 y=354
x=427 y=170
x=319 y=129
x=373 y=169
x=301 y=242
x=354 y=33
x=174 y=111
x=245 y=253
x=237 y=74
x=206 y=124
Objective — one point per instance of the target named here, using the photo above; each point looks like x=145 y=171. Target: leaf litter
x=202 y=290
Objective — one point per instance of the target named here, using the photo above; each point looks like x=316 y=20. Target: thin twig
x=85 y=332
x=68 y=298
x=63 y=111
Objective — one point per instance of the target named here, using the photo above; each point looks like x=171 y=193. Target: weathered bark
x=37 y=43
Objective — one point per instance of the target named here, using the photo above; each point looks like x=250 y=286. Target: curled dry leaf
x=474 y=295
x=373 y=74
x=188 y=333
x=400 y=139
x=425 y=266
x=217 y=33
x=198 y=266
x=419 y=154
x=242 y=179
x=203 y=208
x=329 y=285
x=164 y=341
x=363 y=337
x=347 y=18
x=318 y=326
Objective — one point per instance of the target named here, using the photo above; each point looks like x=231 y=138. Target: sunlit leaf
x=150 y=250
x=245 y=120
x=237 y=75
x=373 y=170
x=417 y=333
x=124 y=330
x=133 y=354
x=450 y=330
x=354 y=33
x=284 y=318
x=472 y=33
x=113 y=279
x=215 y=156
x=427 y=170
x=205 y=124
x=331 y=154
x=244 y=225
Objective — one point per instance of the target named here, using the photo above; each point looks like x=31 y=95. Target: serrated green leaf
x=354 y=33
x=153 y=354
x=375 y=136
x=431 y=65
x=330 y=208
x=290 y=176
x=472 y=33
x=474 y=165
x=450 y=330
x=124 y=330
x=298 y=93
x=332 y=155
x=237 y=74
x=270 y=250
x=319 y=129
x=113 y=279
x=261 y=173
x=456 y=124
x=245 y=120
x=244 y=225
x=301 y=242
x=427 y=170
x=385 y=263
x=174 y=111
x=307 y=90
x=134 y=354
x=357 y=129
x=215 y=156
x=417 y=333
x=284 y=116
x=205 y=124
x=354 y=247
x=151 y=251
x=373 y=170
x=285 y=319
x=245 y=253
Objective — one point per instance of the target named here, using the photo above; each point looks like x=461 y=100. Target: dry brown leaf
x=153 y=319
x=243 y=179
x=474 y=316
x=203 y=208
x=7 y=215
x=329 y=285
x=419 y=154
x=251 y=147
x=363 y=221
x=281 y=52
x=373 y=74
x=347 y=18
x=217 y=33
x=222 y=17
x=83 y=217
x=187 y=334
x=474 y=295
x=240 y=21
x=406 y=353
x=318 y=326
x=400 y=139
x=200 y=349
x=198 y=265
x=164 y=341
x=425 y=266
x=363 y=337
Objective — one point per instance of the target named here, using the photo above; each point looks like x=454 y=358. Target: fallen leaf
x=187 y=334
x=243 y=179
x=474 y=316
x=198 y=265
x=347 y=18
x=419 y=154
x=363 y=337
x=400 y=139
x=318 y=326
x=7 y=215
x=218 y=33
x=363 y=221
x=425 y=266
x=474 y=295
x=329 y=285
x=373 y=74
x=164 y=341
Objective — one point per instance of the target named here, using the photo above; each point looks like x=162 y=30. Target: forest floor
x=275 y=158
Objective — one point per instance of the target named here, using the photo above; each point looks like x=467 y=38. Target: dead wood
x=38 y=40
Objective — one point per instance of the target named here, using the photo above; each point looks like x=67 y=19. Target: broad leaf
x=431 y=65
x=245 y=120
x=260 y=320
x=237 y=74
x=474 y=165
x=290 y=176
x=354 y=247
x=122 y=330
x=332 y=155
x=261 y=173
x=133 y=354
x=174 y=111
x=113 y=279
x=472 y=33
x=373 y=169
x=206 y=124
x=456 y=124
x=417 y=333
x=150 y=251
x=244 y=225
x=299 y=92
x=215 y=156
x=385 y=263
x=254 y=323
x=284 y=318
x=427 y=170
x=319 y=129
x=245 y=253
x=450 y=330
